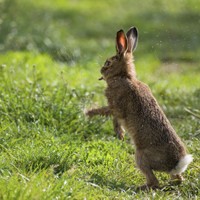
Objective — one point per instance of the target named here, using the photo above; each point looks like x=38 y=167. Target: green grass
x=51 y=54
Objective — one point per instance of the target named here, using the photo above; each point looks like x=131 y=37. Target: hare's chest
x=113 y=98
x=116 y=102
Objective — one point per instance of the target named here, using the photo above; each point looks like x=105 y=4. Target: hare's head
x=121 y=65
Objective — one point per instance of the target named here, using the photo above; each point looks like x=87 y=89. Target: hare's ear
x=121 y=42
x=132 y=36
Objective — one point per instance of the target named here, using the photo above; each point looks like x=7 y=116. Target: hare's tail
x=182 y=165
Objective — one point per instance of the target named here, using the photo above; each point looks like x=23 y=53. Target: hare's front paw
x=118 y=129
x=90 y=113
x=120 y=133
x=103 y=111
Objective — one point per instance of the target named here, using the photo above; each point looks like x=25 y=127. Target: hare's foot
x=152 y=181
x=176 y=179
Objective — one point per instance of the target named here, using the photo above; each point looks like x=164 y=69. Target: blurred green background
x=75 y=31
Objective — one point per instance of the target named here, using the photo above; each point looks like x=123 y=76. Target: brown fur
x=133 y=106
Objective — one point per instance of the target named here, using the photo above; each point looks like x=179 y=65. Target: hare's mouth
x=101 y=78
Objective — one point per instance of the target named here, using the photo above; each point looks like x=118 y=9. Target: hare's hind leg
x=142 y=163
x=103 y=111
x=151 y=180
x=118 y=129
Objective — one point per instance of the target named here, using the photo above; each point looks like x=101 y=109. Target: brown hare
x=133 y=107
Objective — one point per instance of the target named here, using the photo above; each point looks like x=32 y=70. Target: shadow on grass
x=68 y=34
x=116 y=185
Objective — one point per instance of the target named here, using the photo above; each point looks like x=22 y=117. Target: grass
x=50 y=58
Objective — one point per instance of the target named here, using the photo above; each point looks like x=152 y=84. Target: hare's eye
x=107 y=63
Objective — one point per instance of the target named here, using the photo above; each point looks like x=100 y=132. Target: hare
x=133 y=107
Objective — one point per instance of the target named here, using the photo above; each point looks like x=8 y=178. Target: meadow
x=50 y=56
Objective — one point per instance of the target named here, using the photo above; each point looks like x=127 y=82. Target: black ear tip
x=135 y=30
x=120 y=31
